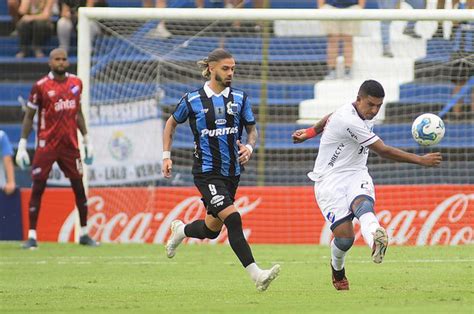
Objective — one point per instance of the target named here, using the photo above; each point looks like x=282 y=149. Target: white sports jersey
x=343 y=147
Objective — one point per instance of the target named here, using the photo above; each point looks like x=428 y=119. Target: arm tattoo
x=252 y=134
x=319 y=127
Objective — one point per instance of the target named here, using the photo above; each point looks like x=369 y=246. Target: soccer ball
x=427 y=129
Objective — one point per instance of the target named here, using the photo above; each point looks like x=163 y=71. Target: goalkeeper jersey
x=57 y=103
x=216 y=121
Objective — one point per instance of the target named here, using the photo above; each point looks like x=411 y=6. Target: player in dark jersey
x=217 y=114
x=57 y=98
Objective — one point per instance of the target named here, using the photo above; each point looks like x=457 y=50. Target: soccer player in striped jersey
x=217 y=114
x=343 y=186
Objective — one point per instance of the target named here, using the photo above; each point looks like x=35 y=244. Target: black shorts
x=218 y=191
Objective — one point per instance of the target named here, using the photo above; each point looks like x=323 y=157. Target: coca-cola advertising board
x=412 y=214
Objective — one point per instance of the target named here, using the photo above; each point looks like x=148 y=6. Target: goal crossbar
x=275 y=14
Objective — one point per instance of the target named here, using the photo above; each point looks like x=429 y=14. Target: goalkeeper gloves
x=88 y=150
x=22 y=159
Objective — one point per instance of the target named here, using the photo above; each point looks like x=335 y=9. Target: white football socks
x=83 y=231
x=337 y=256
x=32 y=234
x=368 y=224
x=180 y=231
x=254 y=271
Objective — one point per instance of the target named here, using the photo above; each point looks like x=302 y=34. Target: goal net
x=136 y=64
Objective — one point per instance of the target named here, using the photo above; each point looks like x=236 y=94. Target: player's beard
x=223 y=82
x=59 y=72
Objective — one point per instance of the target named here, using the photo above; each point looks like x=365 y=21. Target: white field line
x=150 y=260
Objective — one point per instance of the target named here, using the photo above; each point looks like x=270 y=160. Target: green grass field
x=205 y=278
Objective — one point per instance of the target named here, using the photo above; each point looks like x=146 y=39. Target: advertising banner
x=412 y=214
x=122 y=155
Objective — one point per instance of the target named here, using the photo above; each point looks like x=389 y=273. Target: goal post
x=133 y=76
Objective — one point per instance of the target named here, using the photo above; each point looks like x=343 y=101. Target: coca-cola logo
x=443 y=225
x=120 y=226
x=148 y=219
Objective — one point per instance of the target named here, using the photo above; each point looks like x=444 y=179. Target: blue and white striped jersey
x=216 y=122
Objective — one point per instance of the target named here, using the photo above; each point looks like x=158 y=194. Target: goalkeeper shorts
x=69 y=161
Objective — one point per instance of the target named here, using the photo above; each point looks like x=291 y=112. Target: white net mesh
x=283 y=66
x=132 y=61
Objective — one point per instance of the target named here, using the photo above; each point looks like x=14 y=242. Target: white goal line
x=151 y=260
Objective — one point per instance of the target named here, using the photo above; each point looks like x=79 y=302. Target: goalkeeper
x=57 y=97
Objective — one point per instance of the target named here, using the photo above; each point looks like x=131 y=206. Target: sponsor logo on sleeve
x=352 y=134
x=75 y=89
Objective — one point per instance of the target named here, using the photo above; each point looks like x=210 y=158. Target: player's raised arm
x=389 y=152
x=301 y=135
x=168 y=133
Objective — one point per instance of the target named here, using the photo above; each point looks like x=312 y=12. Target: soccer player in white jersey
x=343 y=186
